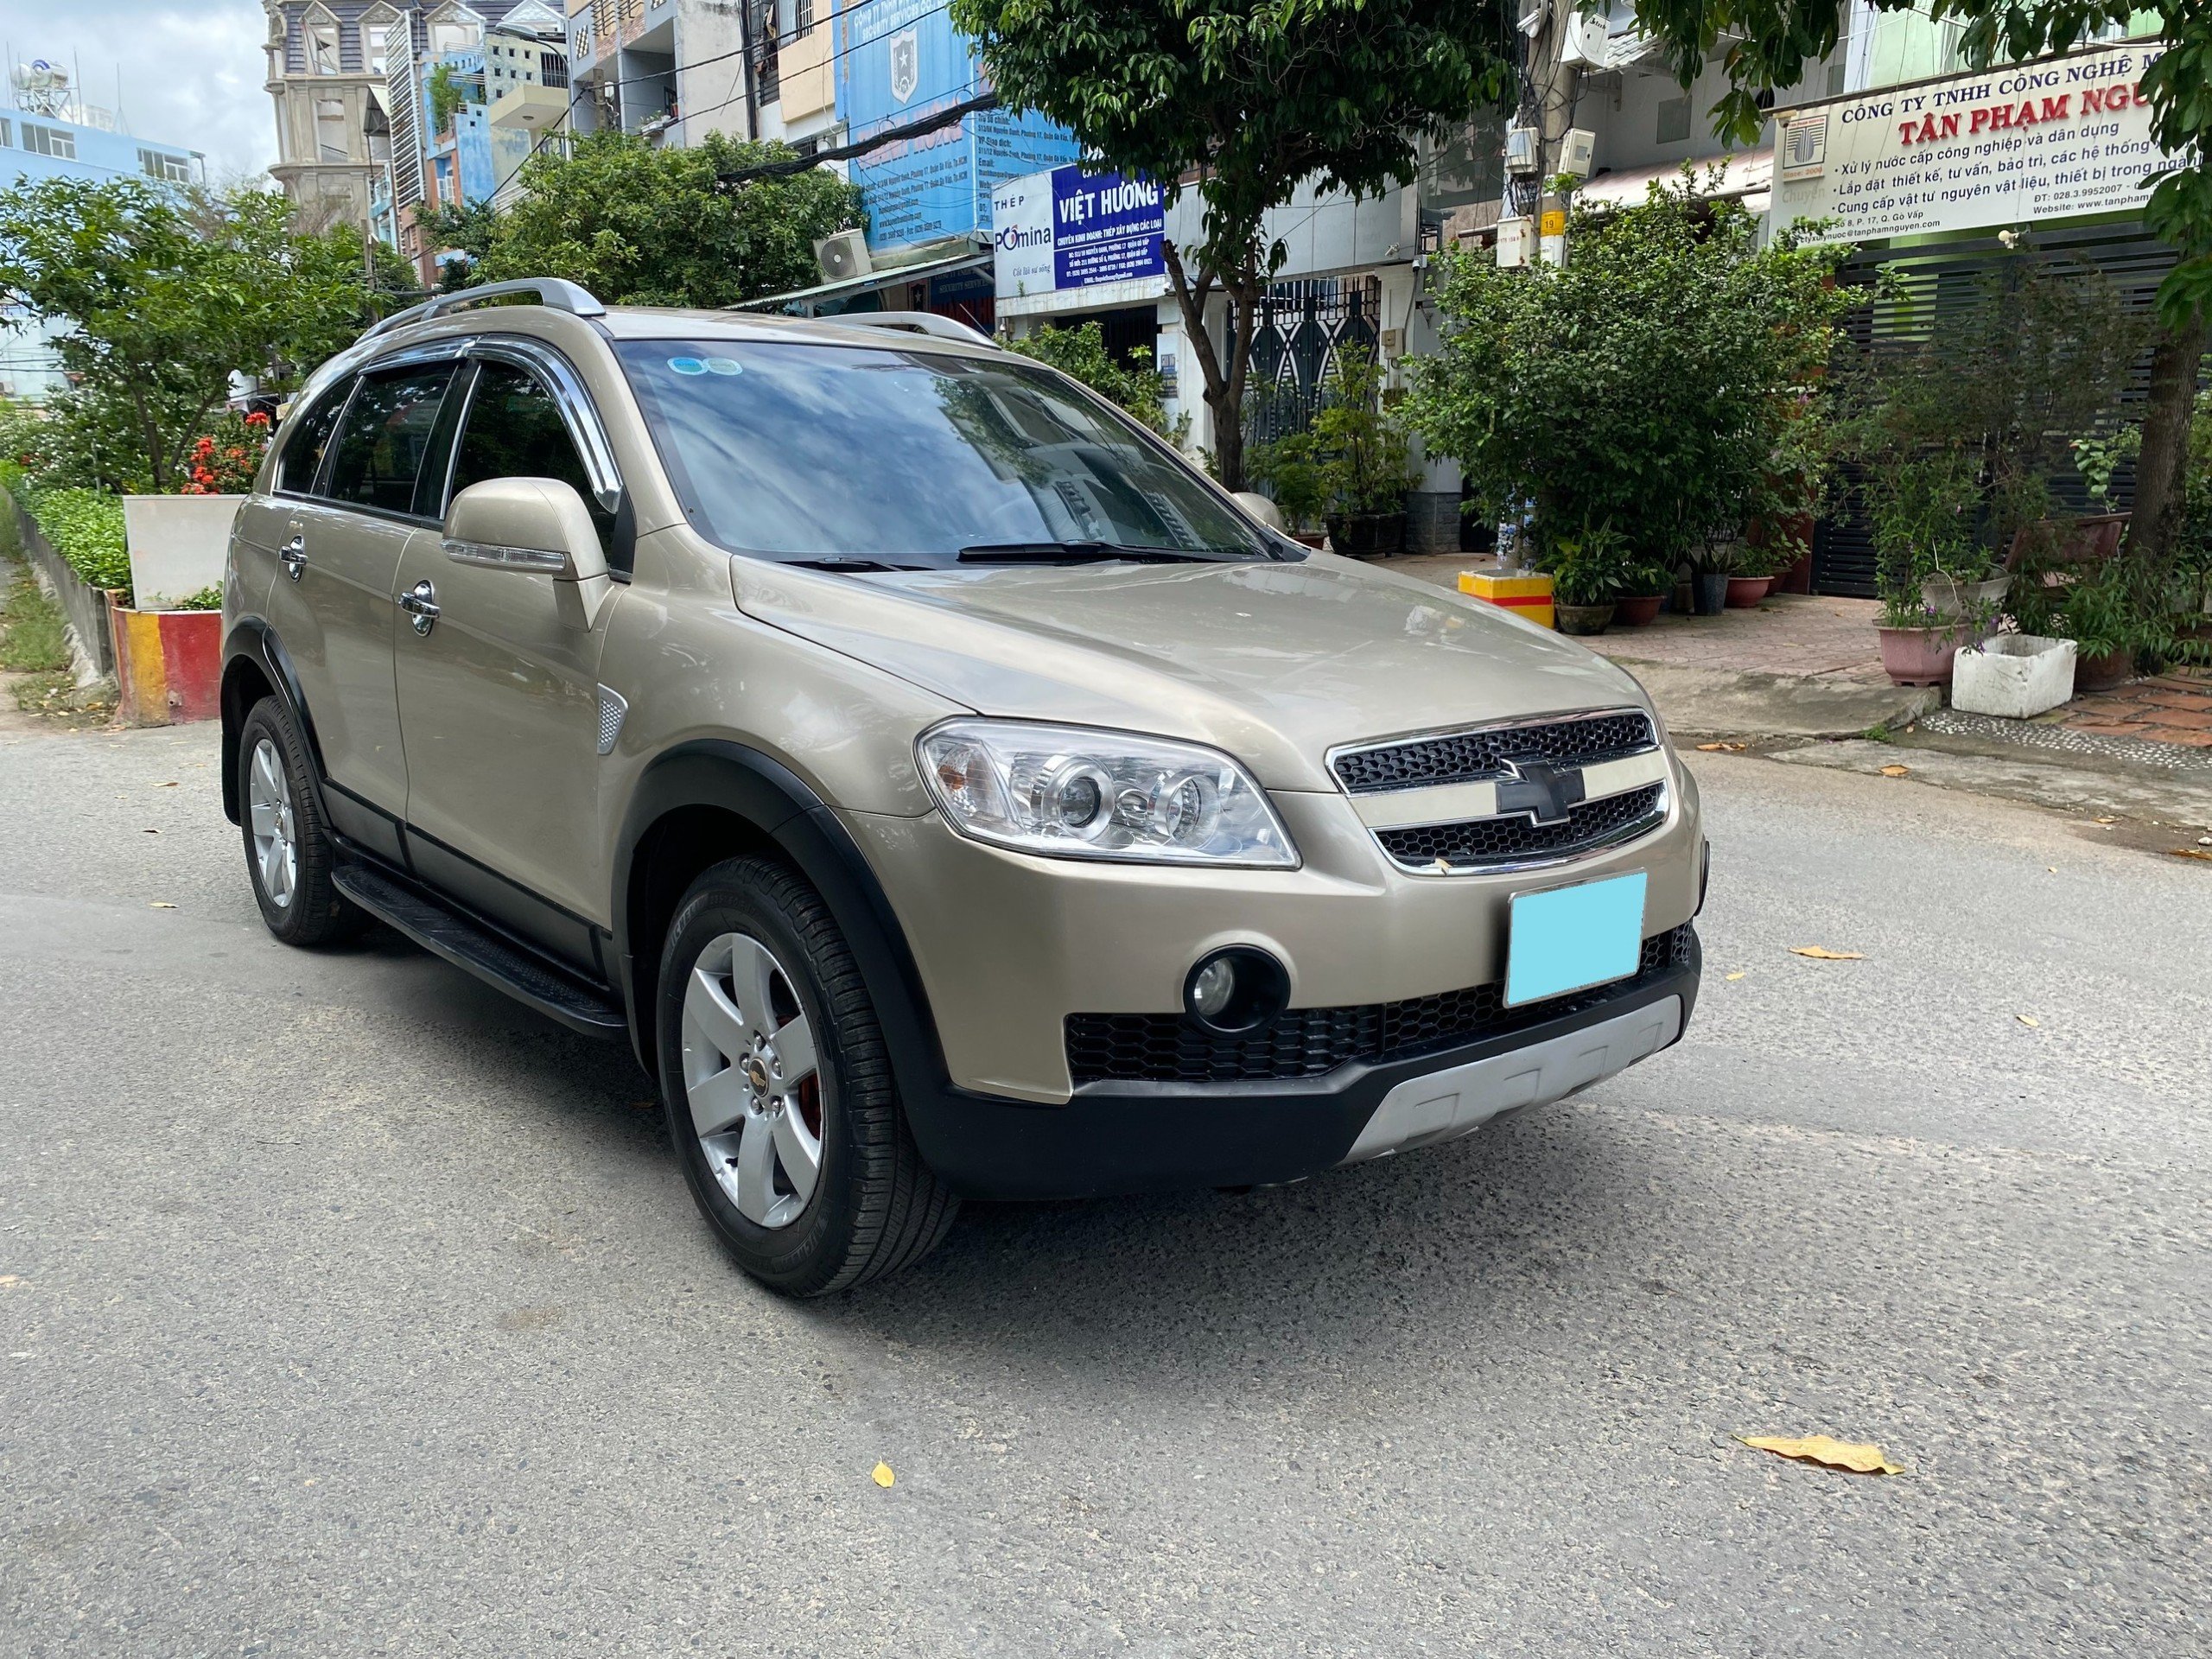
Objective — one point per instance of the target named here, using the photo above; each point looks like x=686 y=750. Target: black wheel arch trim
x=251 y=640
x=787 y=812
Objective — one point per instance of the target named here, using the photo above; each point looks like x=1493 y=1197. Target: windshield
x=884 y=455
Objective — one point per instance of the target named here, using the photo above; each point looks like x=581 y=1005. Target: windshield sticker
x=724 y=365
x=687 y=366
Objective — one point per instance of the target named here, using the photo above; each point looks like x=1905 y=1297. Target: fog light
x=1235 y=991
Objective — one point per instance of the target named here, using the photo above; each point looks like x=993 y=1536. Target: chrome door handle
x=419 y=603
x=294 y=555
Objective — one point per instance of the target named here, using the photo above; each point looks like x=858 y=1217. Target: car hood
x=1275 y=662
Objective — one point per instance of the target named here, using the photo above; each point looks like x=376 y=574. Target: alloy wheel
x=275 y=843
x=752 y=1080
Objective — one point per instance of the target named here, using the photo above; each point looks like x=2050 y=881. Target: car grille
x=1308 y=1042
x=1486 y=842
x=1464 y=757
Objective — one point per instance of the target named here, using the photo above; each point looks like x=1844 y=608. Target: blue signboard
x=1106 y=228
x=899 y=61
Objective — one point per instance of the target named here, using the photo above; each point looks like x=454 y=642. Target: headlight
x=1071 y=792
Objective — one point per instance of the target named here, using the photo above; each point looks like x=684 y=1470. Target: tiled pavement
x=2175 y=707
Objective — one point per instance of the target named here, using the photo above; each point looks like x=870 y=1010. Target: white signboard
x=2026 y=143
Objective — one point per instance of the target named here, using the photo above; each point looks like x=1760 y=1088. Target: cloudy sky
x=191 y=76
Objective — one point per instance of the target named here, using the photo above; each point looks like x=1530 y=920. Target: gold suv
x=947 y=790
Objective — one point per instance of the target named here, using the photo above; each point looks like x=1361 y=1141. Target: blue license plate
x=1570 y=938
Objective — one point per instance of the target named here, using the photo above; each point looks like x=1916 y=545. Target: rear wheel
x=289 y=853
x=779 y=1088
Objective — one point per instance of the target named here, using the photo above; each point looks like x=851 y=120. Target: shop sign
x=2026 y=144
x=1069 y=229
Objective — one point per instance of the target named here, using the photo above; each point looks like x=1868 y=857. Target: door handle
x=294 y=555
x=419 y=603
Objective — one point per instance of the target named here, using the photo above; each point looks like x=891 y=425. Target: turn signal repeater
x=1236 y=990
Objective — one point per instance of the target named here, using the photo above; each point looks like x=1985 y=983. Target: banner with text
x=1070 y=229
x=2017 y=145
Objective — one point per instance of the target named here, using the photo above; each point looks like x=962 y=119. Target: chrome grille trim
x=1469 y=754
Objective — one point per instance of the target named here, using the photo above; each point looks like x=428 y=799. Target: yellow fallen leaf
x=1739 y=974
x=1820 y=953
x=1830 y=1454
x=161 y=904
x=1895 y=772
x=2107 y=820
x=883 y=1476
x=2192 y=852
x=170 y=785
x=2027 y=1019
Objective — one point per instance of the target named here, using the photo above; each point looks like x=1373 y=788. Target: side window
x=307 y=436
x=385 y=436
x=515 y=430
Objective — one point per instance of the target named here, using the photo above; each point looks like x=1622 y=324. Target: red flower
x=257 y=418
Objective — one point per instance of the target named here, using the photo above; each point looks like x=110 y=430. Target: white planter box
x=177 y=543
x=2014 y=674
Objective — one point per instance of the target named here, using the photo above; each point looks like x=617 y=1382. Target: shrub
x=85 y=528
x=1081 y=354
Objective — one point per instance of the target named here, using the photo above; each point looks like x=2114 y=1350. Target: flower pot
x=2103 y=672
x=1744 y=592
x=1918 y=656
x=1316 y=539
x=2016 y=675
x=1583 y=619
x=1710 y=592
x=1947 y=596
x=1368 y=535
x=1637 y=610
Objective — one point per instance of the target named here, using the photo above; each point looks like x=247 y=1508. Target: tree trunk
x=1224 y=382
x=2162 y=470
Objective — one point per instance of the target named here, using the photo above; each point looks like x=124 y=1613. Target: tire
x=745 y=1124
x=288 y=846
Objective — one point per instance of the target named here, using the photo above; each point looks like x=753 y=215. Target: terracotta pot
x=1637 y=610
x=1583 y=619
x=1368 y=535
x=2102 y=673
x=1744 y=592
x=1316 y=539
x=1710 y=592
x=1918 y=656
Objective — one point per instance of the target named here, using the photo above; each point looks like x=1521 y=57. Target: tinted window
x=904 y=457
x=306 y=435
x=382 y=440
x=515 y=430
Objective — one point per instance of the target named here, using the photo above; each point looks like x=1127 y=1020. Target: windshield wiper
x=845 y=565
x=1084 y=553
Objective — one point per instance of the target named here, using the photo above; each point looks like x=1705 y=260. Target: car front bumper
x=1145 y=1137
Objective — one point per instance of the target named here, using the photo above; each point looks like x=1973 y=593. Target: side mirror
x=1258 y=506
x=536 y=524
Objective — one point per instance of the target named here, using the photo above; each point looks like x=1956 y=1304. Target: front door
x=499 y=695
x=342 y=525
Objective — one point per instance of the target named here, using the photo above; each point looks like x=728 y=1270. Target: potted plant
x=1711 y=565
x=2098 y=617
x=1917 y=642
x=1288 y=470
x=1586 y=570
x=1753 y=576
x=1966 y=579
x=1644 y=585
x=1365 y=462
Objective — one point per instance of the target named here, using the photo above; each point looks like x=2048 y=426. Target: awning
x=1747 y=174
x=978 y=259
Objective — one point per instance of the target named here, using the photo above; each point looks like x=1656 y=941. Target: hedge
x=85 y=528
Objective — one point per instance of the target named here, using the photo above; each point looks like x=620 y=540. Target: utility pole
x=1559 y=42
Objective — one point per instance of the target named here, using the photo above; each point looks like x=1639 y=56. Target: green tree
x=1767 y=44
x=641 y=225
x=164 y=296
x=1659 y=382
x=1081 y=353
x=1251 y=98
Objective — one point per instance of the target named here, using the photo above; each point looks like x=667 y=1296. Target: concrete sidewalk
x=1798 y=666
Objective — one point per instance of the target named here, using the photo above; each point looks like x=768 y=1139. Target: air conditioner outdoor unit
x=843 y=255
x=1583 y=46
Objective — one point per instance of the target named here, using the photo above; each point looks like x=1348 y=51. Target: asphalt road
x=346 y=1309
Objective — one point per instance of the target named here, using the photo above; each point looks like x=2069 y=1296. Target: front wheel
x=779 y=1088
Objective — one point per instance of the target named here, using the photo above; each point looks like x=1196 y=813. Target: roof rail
x=911 y=322
x=556 y=292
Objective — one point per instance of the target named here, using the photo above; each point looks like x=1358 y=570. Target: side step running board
x=444 y=931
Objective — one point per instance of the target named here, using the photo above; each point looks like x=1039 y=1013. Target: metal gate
x=1940 y=284
x=1303 y=327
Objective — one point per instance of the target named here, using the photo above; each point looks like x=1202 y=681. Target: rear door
x=333 y=608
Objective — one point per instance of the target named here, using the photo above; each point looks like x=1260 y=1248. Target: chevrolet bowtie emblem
x=1546 y=792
